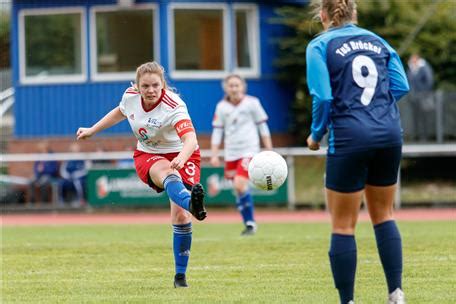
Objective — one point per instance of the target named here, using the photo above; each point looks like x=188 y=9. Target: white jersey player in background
x=167 y=156
x=238 y=119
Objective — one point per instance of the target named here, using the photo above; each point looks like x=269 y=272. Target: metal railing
x=430 y=119
x=6 y=101
x=417 y=150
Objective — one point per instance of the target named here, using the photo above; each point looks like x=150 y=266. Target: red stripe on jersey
x=131 y=92
x=167 y=102
x=171 y=104
x=183 y=127
x=169 y=99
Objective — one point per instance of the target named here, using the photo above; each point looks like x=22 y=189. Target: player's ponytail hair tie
x=340 y=12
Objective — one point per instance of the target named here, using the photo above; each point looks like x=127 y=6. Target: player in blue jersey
x=355 y=79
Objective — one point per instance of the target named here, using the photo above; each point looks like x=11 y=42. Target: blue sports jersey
x=355 y=78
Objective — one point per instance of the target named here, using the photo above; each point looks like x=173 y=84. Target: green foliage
x=283 y=263
x=436 y=41
x=4 y=25
x=394 y=20
x=45 y=35
x=4 y=39
x=292 y=64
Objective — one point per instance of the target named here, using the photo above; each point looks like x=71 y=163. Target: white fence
x=418 y=150
x=434 y=150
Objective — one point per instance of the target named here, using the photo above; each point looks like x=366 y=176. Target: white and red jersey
x=158 y=130
x=240 y=123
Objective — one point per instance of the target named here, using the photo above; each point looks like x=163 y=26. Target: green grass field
x=283 y=263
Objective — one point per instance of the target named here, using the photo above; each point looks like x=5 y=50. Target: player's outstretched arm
x=109 y=120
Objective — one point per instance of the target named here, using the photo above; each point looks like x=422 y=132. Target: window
x=242 y=40
x=246 y=43
x=52 y=45
x=199 y=41
x=122 y=39
x=212 y=40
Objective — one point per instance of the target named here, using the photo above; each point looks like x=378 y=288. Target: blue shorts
x=350 y=172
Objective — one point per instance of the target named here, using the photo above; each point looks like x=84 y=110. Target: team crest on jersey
x=153 y=123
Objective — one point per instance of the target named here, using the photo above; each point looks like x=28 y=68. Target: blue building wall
x=59 y=109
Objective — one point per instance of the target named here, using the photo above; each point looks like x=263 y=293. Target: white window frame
x=198 y=74
x=76 y=78
x=113 y=76
x=254 y=36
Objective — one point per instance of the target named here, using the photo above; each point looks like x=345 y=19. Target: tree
x=4 y=39
x=394 y=20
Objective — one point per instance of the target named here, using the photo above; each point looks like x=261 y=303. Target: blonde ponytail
x=340 y=12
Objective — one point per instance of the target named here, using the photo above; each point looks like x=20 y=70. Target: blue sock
x=389 y=246
x=342 y=255
x=245 y=206
x=176 y=191
x=182 y=242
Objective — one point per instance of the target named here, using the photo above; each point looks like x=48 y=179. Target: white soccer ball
x=268 y=170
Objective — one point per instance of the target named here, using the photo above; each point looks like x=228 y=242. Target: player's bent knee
x=240 y=185
x=344 y=227
x=169 y=172
x=180 y=216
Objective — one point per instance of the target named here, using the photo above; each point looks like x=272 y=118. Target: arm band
x=183 y=127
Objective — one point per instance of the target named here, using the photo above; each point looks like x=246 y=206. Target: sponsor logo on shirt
x=183 y=127
x=185 y=124
x=154 y=123
x=143 y=133
x=154 y=158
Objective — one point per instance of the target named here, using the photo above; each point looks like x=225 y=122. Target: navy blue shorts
x=350 y=172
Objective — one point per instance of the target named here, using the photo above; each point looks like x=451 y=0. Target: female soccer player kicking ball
x=355 y=79
x=167 y=155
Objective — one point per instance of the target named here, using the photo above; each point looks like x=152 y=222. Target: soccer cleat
x=351 y=302
x=180 y=281
x=396 y=297
x=249 y=230
x=197 y=202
